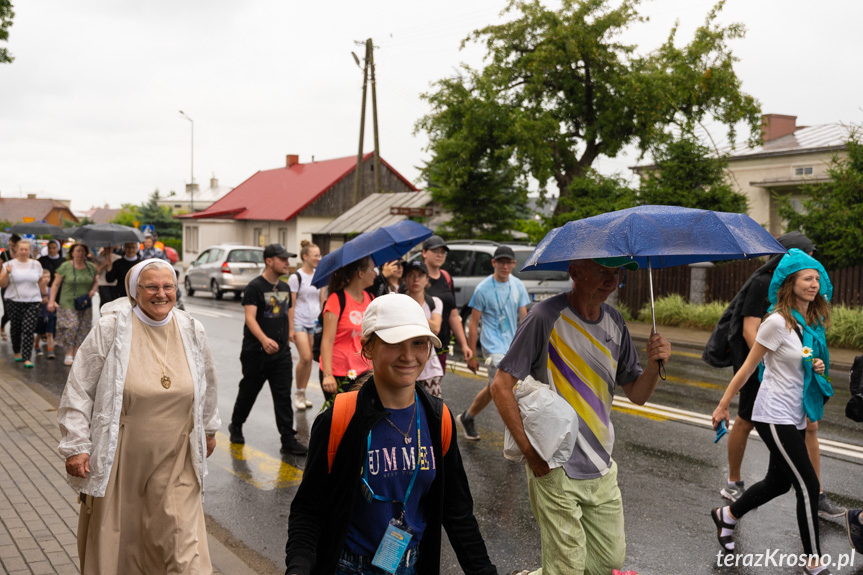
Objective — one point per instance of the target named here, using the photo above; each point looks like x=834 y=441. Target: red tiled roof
x=283 y=193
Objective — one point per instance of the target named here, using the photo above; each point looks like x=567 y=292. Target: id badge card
x=393 y=547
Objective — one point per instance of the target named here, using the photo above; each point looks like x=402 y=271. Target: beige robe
x=151 y=520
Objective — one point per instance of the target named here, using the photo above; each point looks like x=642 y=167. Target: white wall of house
x=198 y=235
x=783 y=174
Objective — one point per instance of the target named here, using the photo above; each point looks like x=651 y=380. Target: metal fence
x=723 y=281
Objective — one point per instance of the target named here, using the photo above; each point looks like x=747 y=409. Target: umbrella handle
x=653 y=314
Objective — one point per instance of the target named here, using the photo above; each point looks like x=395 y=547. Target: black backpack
x=854 y=409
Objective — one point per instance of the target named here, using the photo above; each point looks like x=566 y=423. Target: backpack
x=447 y=278
x=344 y=407
x=854 y=408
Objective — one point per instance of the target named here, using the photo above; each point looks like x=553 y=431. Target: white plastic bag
x=550 y=423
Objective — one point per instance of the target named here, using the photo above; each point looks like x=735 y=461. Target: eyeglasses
x=605 y=274
x=154 y=289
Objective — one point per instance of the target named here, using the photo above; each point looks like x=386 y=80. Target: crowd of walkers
x=47 y=297
x=383 y=474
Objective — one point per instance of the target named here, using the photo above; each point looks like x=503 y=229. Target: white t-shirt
x=433 y=367
x=780 y=397
x=308 y=306
x=24 y=283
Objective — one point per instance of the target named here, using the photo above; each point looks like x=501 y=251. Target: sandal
x=28 y=364
x=725 y=541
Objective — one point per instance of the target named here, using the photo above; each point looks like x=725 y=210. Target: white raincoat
x=89 y=413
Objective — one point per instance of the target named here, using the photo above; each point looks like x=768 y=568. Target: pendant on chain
x=407 y=440
x=166 y=382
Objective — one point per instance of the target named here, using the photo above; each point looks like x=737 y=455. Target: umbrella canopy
x=383 y=245
x=36 y=229
x=98 y=235
x=655 y=236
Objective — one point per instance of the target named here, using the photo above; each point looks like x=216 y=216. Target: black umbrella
x=36 y=229
x=98 y=235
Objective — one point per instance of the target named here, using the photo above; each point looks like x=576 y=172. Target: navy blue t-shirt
x=391 y=466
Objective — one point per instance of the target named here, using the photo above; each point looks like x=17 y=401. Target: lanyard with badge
x=504 y=320
x=398 y=534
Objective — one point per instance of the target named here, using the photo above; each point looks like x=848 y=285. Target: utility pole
x=192 y=185
x=368 y=64
x=358 y=173
x=371 y=50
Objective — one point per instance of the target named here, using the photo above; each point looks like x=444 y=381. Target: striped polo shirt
x=584 y=361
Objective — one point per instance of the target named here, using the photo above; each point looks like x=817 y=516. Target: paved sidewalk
x=38 y=509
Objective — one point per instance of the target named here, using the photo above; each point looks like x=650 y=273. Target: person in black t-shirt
x=118 y=269
x=440 y=285
x=266 y=351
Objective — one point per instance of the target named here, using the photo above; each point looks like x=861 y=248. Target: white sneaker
x=68 y=361
x=300 y=401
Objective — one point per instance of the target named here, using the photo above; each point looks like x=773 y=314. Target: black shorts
x=748 y=393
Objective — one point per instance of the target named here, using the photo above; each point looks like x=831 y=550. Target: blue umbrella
x=655 y=237
x=383 y=245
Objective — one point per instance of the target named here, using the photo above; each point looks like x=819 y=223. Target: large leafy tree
x=572 y=91
x=6 y=15
x=687 y=174
x=470 y=173
x=833 y=212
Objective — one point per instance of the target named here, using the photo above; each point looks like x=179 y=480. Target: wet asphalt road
x=670 y=470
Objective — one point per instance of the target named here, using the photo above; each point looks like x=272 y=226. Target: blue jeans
x=350 y=564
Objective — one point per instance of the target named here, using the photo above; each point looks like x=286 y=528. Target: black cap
x=796 y=240
x=435 y=242
x=277 y=251
x=503 y=252
x=416 y=265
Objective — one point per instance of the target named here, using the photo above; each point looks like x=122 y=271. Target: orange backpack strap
x=344 y=407
x=445 y=429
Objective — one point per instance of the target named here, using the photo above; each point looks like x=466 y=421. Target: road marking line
x=208 y=312
x=654 y=411
x=258 y=469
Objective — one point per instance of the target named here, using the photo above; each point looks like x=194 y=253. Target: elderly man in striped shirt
x=581 y=346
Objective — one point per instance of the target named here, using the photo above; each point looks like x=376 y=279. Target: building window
x=191 y=241
x=258 y=236
x=283 y=236
x=803 y=171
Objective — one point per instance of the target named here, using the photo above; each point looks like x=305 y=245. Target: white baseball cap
x=396 y=318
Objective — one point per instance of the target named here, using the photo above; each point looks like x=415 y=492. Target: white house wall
x=745 y=172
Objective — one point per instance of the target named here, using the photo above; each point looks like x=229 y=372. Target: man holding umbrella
x=580 y=345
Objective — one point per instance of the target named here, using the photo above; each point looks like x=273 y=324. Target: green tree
x=571 y=91
x=470 y=173
x=687 y=174
x=169 y=229
x=6 y=15
x=833 y=212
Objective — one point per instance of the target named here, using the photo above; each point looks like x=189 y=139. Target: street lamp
x=192 y=186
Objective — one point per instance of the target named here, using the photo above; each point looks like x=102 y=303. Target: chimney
x=214 y=183
x=775 y=126
x=31 y=196
x=291 y=160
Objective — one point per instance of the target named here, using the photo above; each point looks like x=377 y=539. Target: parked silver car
x=224 y=268
x=469 y=262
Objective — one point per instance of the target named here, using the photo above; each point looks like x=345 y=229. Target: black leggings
x=23 y=316
x=789 y=466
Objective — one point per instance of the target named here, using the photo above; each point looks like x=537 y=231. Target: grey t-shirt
x=584 y=361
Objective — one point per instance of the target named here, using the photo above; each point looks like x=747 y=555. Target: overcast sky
x=89 y=108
